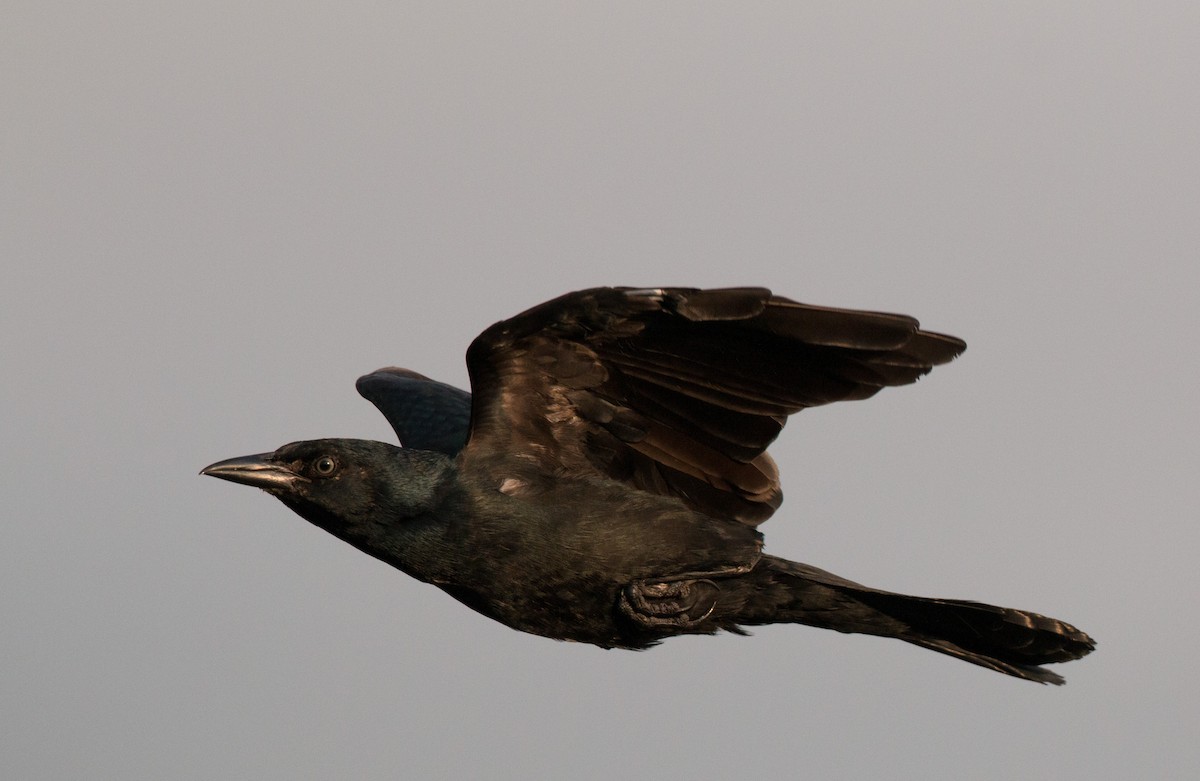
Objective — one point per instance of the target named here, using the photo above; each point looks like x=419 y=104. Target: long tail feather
x=1014 y=642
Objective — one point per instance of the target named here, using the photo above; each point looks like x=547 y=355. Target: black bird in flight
x=604 y=481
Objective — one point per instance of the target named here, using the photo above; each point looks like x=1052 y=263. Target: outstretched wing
x=679 y=391
x=424 y=413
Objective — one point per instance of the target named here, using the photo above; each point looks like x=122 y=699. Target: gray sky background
x=216 y=216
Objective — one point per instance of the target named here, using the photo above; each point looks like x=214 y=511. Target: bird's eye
x=325 y=466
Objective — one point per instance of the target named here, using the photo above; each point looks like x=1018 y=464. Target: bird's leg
x=681 y=601
x=678 y=603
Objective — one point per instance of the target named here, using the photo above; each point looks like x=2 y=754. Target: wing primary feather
x=679 y=391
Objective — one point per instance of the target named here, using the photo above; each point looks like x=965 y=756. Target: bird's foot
x=675 y=603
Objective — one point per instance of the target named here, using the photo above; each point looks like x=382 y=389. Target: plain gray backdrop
x=215 y=216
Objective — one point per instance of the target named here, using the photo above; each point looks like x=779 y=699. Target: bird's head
x=356 y=489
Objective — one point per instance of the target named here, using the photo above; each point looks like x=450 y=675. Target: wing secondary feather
x=680 y=391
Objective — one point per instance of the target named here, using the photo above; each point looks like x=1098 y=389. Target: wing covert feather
x=680 y=391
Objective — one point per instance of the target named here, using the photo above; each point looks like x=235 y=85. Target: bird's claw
x=676 y=603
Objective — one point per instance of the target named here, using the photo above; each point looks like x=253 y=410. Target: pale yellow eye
x=325 y=466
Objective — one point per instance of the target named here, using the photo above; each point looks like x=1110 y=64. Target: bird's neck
x=410 y=527
x=423 y=545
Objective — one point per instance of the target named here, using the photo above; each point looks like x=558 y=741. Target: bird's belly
x=580 y=610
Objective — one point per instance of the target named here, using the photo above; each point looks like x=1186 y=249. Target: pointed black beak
x=258 y=470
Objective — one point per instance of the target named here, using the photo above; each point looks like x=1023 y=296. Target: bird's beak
x=258 y=470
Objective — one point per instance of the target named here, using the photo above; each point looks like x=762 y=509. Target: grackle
x=604 y=481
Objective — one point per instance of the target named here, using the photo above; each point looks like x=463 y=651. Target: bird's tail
x=1010 y=641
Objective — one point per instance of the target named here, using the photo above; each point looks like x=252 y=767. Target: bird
x=604 y=480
